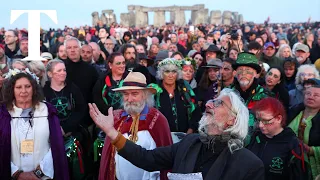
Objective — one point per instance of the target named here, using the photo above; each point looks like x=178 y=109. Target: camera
x=234 y=36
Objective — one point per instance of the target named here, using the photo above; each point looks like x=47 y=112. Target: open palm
x=105 y=123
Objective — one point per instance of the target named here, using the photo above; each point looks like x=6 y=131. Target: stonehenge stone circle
x=138 y=16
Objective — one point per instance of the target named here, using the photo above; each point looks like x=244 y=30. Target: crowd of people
x=191 y=102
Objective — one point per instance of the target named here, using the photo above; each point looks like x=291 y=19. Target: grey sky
x=76 y=13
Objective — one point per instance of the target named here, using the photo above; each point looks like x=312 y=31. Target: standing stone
x=227 y=18
x=141 y=18
x=240 y=17
x=95 y=18
x=103 y=18
x=180 y=18
x=215 y=18
x=172 y=16
x=159 y=18
x=125 y=19
x=235 y=19
x=199 y=16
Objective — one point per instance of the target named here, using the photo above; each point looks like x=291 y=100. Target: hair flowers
x=13 y=72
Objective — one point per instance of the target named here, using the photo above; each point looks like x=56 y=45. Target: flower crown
x=13 y=72
x=173 y=61
x=190 y=62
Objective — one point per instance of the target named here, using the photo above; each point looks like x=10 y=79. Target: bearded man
x=140 y=123
x=247 y=84
x=215 y=153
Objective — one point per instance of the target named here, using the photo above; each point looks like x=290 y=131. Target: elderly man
x=79 y=72
x=268 y=55
x=11 y=39
x=215 y=153
x=175 y=98
x=302 y=53
x=247 y=68
x=139 y=122
x=304 y=120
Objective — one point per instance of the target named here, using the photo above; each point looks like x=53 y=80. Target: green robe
x=315 y=159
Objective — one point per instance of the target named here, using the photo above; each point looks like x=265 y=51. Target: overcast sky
x=76 y=13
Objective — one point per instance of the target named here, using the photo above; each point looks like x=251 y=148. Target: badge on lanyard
x=27 y=146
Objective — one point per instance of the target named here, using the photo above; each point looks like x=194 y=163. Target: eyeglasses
x=167 y=72
x=307 y=74
x=219 y=102
x=273 y=75
x=119 y=63
x=108 y=43
x=266 y=121
x=310 y=94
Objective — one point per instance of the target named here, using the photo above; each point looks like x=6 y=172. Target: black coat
x=71 y=110
x=276 y=154
x=182 y=156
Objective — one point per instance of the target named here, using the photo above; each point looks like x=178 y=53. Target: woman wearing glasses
x=276 y=145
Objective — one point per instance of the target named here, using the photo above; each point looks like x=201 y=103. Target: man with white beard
x=215 y=153
x=140 y=123
x=247 y=84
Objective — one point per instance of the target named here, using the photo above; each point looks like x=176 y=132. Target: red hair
x=271 y=105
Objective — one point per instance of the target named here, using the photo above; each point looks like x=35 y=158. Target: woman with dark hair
x=198 y=58
x=274 y=82
x=103 y=96
x=275 y=144
x=290 y=67
x=36 y=149
x=208 y=86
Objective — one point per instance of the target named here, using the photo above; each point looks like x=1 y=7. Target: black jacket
x=315 y=53
x=71 y=107
x=276 y=154
x=85 y=77
x=182 y=157
x=115 y=102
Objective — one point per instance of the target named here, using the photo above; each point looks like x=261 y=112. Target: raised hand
x=105 y=123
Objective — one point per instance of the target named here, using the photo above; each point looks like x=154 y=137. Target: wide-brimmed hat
x=143 y=56
x=247 y=59
x=134 y=81
x=214 y=63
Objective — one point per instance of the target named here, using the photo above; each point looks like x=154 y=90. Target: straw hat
x=135 y=80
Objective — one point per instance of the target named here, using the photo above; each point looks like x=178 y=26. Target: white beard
x=134 y=107
x=208 y=120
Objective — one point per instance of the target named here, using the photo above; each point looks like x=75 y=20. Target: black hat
x=213 y=48
x=315 y=82
x=143 y=56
